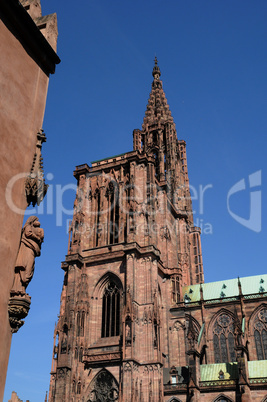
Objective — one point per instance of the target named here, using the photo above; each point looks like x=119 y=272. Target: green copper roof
x=224 y=289
x=210 y=372
x=257 y=369
x=109 y=157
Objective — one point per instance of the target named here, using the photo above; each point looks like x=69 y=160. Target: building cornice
x=19 y=22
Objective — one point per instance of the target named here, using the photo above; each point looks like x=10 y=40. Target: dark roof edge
x=19 y=22
x=110 y=157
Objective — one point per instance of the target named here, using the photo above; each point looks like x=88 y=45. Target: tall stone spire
x=157 y=110
x=158 y=140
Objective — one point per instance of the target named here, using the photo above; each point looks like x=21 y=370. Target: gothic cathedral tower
x=132 y=246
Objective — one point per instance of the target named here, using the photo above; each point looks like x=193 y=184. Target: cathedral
x=137 y=322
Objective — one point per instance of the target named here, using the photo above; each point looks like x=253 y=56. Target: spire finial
x=156 y=71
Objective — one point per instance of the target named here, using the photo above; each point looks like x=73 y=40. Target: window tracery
x=223 y=339
x=104 y=388
x=111 y=311
x=222 y=398
x=260 y=334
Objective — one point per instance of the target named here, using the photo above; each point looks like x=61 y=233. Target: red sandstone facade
x=136 y=321
x=28 y=56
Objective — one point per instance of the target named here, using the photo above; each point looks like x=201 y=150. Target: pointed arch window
x=260 y=334
x=222 y=398
x=111 y=311
x=223 y=339
x=79 y=388
x=104 y=387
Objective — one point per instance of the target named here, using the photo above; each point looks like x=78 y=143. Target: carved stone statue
x=32 y=237
x=128 y=335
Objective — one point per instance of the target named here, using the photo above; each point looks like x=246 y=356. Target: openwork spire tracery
x=157 y=108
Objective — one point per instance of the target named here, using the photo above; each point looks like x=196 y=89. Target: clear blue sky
x=212 y=56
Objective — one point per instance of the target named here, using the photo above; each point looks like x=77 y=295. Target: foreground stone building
x=137 y=322
x=28 y=57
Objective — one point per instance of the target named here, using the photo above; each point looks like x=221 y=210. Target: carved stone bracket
x=35 y=187
x=18 y=308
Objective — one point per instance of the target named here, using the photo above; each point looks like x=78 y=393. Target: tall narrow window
x=81 y=355
x=224 y=351
x=98 y=212
x=113 y=210
x=197 y=257
x=175 y=283
x=216 y=346
x=260 y=334
x=223 y=339
x=231 y=343
x=82 y=323
x=78 y=323
x=155 y=334
x=117 y=217
x=111 y=311
x=156 y=162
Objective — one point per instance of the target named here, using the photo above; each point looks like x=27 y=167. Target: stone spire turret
x=157 y=110
x=158 y=139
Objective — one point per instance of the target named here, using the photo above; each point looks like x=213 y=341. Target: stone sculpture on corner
x=32 y=236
